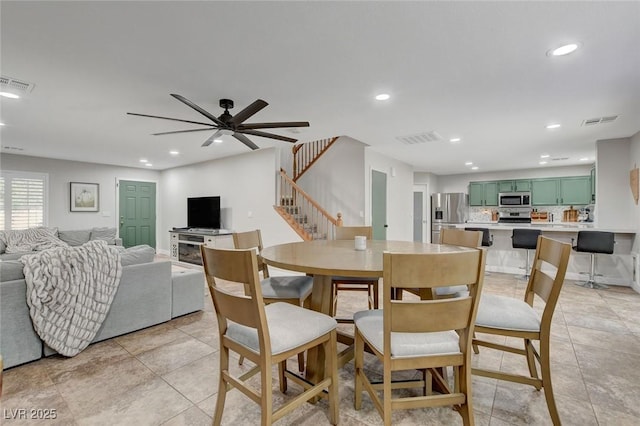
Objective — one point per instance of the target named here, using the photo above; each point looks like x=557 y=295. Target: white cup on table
x=360 y=242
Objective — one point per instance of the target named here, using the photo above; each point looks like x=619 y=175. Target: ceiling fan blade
x=190 y=104
x=273 y=125
x=211 y=138
x=245 y=140
x=169 y=118
x=182 y=131
x=248 y=111
x=268 y=135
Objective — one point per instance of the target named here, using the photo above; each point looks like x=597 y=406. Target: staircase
x=304 y=214
x=305 y=154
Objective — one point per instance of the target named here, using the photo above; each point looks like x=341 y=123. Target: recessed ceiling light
x=454 y=140
x=584 y=159
x=143 y=160
x=217 y=140
x=474 y=168
x=1 y=124
x=382 y=97
x=542 y=163
x=545 y=156
x=9 y=95
x=468 y=163
x=174 y=152
x=553 y=126
x=563 y=50
x=149 y=165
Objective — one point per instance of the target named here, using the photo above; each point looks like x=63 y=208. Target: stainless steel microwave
x=514 y=199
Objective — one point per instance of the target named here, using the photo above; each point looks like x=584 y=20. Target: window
x=23 y=200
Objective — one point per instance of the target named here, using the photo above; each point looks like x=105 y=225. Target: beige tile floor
x=168 y=375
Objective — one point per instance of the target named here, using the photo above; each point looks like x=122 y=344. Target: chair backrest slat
x=460 y=237
x=350 y=232
x=430 y=315
x=435 y=270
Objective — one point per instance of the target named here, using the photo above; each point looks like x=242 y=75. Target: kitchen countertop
x=549 y=226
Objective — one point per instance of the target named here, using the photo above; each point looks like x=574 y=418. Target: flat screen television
x=203 y=212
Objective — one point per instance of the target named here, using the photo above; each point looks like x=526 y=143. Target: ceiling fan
x=227 y=124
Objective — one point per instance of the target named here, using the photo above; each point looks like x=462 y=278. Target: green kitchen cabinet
x=544 y=192
x=483 y=194
x=593 y=185
x=476 y=193
x=491 y=193
x=521 y=185
x=575 y=190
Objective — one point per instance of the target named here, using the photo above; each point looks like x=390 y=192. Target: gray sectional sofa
x=148 y=294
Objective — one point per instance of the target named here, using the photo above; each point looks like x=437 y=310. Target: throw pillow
x=75 y=238
x=107 y=234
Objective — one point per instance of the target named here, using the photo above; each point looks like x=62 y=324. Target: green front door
x=379 y=205
x=137 y=213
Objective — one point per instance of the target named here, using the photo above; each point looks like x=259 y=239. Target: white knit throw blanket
x=69 y=292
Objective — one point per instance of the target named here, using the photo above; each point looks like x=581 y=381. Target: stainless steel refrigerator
x=447 y=210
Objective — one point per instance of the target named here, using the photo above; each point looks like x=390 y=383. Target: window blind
x=22 y=200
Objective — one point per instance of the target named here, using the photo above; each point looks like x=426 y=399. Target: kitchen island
x=617 y=268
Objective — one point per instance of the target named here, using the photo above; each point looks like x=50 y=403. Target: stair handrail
x=313 y=202
x=305 y=154
x=303 y=213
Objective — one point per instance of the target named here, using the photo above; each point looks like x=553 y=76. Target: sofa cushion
x=75 y=238
x=3 y=242
x=107 y=234
x=137 y=254
x=11 y=270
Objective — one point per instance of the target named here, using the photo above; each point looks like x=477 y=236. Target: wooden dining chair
x=421 y=334
x=507 y=316
x=266 y=334
x=454 y=237
x=341 y=283
x=294 y=289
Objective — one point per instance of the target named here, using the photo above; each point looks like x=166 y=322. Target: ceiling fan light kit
x=230 y=125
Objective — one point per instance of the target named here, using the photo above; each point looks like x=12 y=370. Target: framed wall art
x=84 y=197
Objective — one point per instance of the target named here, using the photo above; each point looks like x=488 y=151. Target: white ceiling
x=475 y=70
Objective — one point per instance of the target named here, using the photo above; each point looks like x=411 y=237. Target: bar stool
x=487 y=239
x=594 y=242
x=525 y=239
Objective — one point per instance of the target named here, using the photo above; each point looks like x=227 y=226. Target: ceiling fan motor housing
x=226 y=103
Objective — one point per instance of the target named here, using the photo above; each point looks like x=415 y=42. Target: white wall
x=460 y=183
x=614 y=205
x=399 y=194
x=336 y=180
x=246 y=185
x=61 y=172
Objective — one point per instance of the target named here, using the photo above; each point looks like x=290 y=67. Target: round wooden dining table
x=327 y=258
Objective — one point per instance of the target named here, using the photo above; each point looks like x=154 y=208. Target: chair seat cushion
x=454 y=290
x=288 y=287
x=290 y=326
x=506 y=313
x=370 y=325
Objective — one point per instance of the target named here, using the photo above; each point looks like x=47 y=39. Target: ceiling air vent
x=599 y=120
x=16 y=84
x=559 y=158
x=420 y=138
